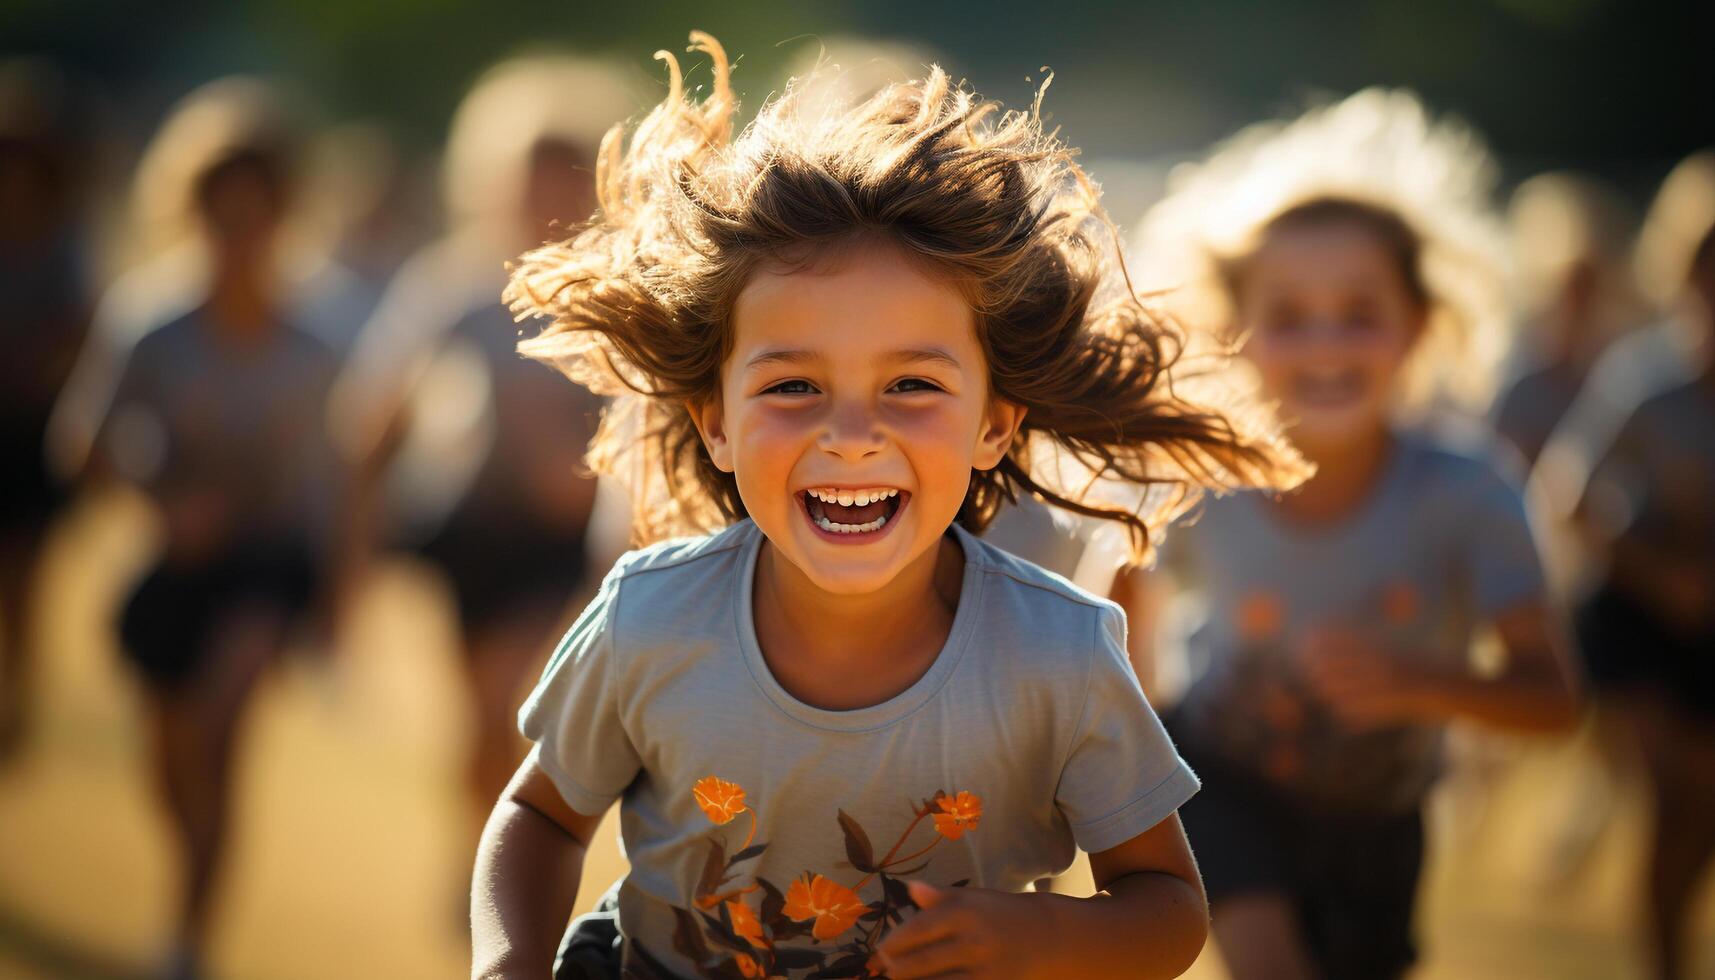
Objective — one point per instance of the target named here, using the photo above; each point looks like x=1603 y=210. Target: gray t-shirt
x=197 y=416
x=1643 y=363
x=755 y=824
x=1530 y=408
x=1657 y=481
x=1440 y=546
x=440 y=338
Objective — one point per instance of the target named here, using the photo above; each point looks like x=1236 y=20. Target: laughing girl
x=844 y=733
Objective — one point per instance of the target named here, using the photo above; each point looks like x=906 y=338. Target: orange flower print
x=720 y=800
x=747 y=965
x=834 y=906
x=958 y=814
x=1260 y=616
x=746 y=924
x=1400 y=603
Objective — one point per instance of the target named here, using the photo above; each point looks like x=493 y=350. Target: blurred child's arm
x=1149 y=918
x=1366 y=686
x=526 y=881
x=1142 y=594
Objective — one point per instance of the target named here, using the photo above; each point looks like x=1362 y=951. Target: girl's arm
x=526 y=880
x=1149 y=918
x=1535 y=692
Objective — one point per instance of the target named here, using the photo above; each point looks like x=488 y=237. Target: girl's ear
x=1000 y=427
x=1419 y=323
x=711 y=425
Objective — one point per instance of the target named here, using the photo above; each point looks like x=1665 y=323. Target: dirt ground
x=354 y=833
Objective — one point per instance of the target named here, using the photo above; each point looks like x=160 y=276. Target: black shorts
x=497 y=565
x=1352 y=879
x=168 y=622
x=591 y=948
x=1625 y=647
x=29 y=493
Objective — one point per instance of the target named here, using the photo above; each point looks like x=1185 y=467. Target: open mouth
x=850 y=512
x=1330 y=389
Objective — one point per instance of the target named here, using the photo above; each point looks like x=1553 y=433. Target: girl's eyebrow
x=917 y=355
x=911 y=355
x=781 y=355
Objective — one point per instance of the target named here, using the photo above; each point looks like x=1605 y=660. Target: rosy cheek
x=777 y=423
x=944 y=420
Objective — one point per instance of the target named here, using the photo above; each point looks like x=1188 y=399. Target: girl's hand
x=966 y=932
x=1364 y=684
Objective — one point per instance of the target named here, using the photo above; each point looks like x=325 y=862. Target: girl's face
x=1328 y=321
x=242 y=204
x=853 y=407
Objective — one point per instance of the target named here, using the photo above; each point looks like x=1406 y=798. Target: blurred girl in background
x=1632 y=475
x=469 y=453
x=216 y=414
x=1571 y=243
x=1349 y=255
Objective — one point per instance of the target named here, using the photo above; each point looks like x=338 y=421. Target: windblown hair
x=640 y=302
x=1378 y=158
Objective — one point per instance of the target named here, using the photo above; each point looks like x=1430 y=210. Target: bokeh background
x=353 y=824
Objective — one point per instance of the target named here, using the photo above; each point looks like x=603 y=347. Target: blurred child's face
x=242 y=204
x=854 y=406
x=559 y=189
x=1329 y=322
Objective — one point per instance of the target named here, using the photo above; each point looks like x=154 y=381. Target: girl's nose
x=852 y=431
x=1324 y=335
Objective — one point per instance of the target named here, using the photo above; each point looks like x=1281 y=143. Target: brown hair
x=1380 y=159
x=640 y=300
x=1391 y=231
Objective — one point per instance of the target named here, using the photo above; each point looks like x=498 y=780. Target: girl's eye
x=909 y=385
x=1361 y=319
x=797 y=386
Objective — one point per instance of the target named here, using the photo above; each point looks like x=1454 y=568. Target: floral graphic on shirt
x=746 y=924
x=720 y=800
x=730 y=938
x=958 y=814
x=1400 y=604
x=835 y=907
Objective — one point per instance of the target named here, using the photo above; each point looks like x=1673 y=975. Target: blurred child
x=1646 y=626
x=217 y=416
x=1346 y=251
x=844 y=732
x=1571 y=240
x=44 y=311
x=485 y=448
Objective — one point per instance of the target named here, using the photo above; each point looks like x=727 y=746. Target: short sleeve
x=1504 y=564
x=573 y=714
x=1122 y=775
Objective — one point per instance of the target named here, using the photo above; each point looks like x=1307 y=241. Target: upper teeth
x=851 y=498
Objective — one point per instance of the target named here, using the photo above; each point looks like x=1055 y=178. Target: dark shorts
x=1352 y=879
x=591 y=948
x=498 y=565
x=168 y=623
x=1625 y=647
x=29 y=494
